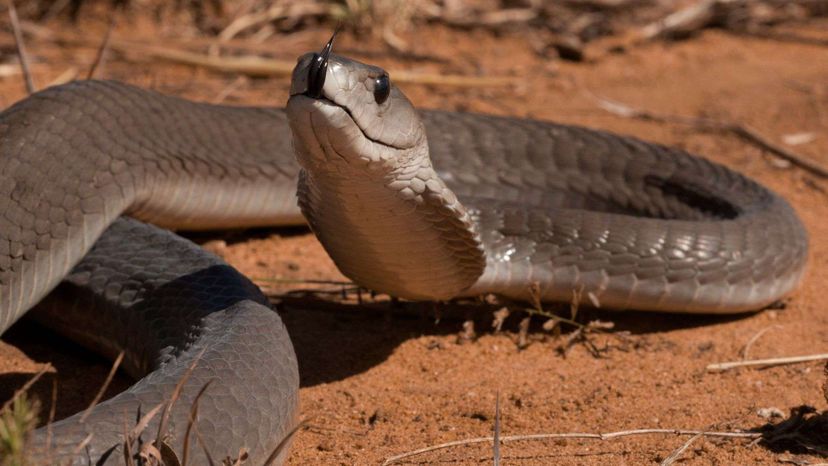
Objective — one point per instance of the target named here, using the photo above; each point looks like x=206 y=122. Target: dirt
x=376 y=383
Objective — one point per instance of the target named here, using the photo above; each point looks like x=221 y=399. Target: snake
x=421 y=205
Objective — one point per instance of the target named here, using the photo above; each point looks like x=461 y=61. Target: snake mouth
x=318 y=69
x=327 y=106
x=361 y=129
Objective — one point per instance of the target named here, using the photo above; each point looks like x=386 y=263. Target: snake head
x=344 y=111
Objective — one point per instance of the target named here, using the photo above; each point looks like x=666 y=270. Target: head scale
x=344 y=111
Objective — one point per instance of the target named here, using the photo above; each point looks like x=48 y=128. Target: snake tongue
x=318 y=69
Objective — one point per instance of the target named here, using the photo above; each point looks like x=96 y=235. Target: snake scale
x=422 y=205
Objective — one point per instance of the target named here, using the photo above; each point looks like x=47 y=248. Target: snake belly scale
x=421 y=205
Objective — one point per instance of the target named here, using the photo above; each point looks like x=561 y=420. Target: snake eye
x=382 y=89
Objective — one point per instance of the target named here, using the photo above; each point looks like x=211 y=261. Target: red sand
x=375 y=385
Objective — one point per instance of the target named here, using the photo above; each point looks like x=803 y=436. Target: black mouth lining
x=318 y=69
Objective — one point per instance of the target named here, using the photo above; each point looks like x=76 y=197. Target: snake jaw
x=327 y=138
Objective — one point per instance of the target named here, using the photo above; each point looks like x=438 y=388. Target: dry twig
x=692 y=18
x=582 y=332
x=723 y=366
x=573 y=435
x=276 y=11
x=740 y=130
x=490 y=19
x=256 y=66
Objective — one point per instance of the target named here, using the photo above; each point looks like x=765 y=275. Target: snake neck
x=403 y=233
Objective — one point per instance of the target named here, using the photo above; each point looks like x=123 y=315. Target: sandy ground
x=375 y=383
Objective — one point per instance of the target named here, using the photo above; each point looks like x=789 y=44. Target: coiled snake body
x=507 y=203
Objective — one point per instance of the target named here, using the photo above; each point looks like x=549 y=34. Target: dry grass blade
x=104 y=386
x=680 y=450
x=165 y=417
x=283 y=444
x=191 y=422
x=139 y=428
x=21 y=48
x=100 y=56
x=249 y=65
x=210 y=460
x=496 y=447
x=82 y=444
x=128 y=461
x=229 y=89
x=51 y=419
x=69 y=74
x=20 y=391
x=573 y=435
x=723 y=366
x=754 y=338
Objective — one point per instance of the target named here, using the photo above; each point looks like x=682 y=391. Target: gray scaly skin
x=522 y=202
x=72 y=159
x=507 y=202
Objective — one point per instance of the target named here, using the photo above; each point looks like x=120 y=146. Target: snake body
x=428 y=205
